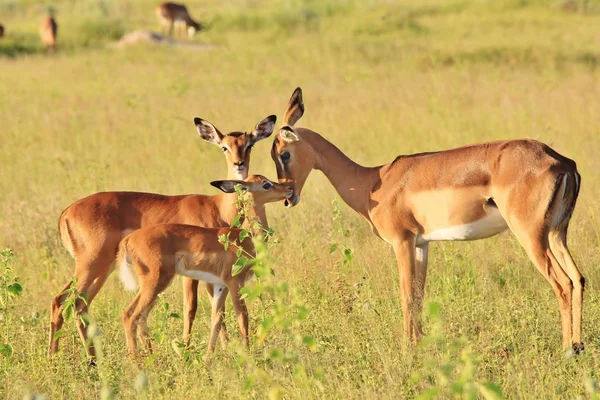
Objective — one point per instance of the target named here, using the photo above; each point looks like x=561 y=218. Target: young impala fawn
x=159 y=252
x=172 y=15
x=48 y=32
x=91 y=228
x=467 y=193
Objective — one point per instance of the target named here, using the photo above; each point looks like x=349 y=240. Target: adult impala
x=91 y=228
x=159 y=252
x=173 y=15
x=467 y=193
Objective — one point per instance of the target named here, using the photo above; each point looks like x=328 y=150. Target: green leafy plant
x=453 y=374
x=281 y=309
x=9 y=289
x=70 y=304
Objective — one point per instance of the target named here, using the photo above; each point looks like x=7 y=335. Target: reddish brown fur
x=91 y=228
x=169 y=14
x=48 y=32
x=532 y=187
x=156 y=251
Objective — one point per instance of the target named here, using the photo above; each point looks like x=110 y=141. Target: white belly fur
x=490 y=225
x=199 y=275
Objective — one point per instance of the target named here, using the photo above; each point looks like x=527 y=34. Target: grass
x=380 y=79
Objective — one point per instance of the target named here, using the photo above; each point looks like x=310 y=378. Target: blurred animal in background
x=174 y=17
x=48 y=31
x=1 y=30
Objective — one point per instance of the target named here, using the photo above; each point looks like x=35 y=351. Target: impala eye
x=267 y=185
x=285 y=156
x=224 y=148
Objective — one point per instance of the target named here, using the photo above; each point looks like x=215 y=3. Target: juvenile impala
x=91 y=228
x=159 y=252
x=173 y=15
x=467 y=193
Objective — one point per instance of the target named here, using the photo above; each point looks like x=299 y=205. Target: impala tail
x=66 y=235
x=125 y=267
x=564 y=198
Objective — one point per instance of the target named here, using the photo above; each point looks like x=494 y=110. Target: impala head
x=193 y=28
x=236 y=145
x=294 y=158
x=263 y=190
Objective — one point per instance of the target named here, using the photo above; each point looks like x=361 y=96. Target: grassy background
x=380 y=78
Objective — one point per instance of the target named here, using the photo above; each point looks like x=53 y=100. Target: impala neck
x=352 y=181
x=228 y=210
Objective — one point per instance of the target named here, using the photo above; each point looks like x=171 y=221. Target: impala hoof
x=578 y=348
x=92 y=362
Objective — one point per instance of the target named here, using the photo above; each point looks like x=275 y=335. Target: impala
x=172 y=15
x=91 y=228
x=467 y=193
x=159 y=252
x=48 y=32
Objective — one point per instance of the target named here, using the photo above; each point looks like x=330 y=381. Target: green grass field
x=380 y=78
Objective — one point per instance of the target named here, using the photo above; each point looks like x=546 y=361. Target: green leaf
x=238 y=252
x=236 y=221
x=15 y=289
x=59 y=333
x=333 y=248
x=174 y=315
x=6 y=349
x=244 y=234
x=310 y=342
x=239 y=266
x=178 y=347
x=490 y=391
x=429 y=394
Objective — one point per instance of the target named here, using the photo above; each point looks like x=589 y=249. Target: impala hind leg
x=535 y=243
x=558 y=245
x=405 y=256
x=90 y=277
x=82 y=308
x=136 y=316
x=130 y=326
x=56 y=318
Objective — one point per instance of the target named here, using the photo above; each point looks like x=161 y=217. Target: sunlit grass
x=380 y=79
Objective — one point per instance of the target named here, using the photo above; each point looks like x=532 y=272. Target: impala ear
x=208 y=131
x=288 y=135
x=295 y=108
x=264 y=128
x=229 y=186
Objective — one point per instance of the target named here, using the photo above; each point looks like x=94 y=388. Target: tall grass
x=380 y=78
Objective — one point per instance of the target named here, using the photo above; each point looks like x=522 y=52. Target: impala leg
x=56 y=318
x=190 y=305
x=130 y=326
x=536 y=245
x=218 y=306
x=241 y=313
x=223 y=331
x=558 y=245
x=82 y=308
x=405 y=256
x=421 y=256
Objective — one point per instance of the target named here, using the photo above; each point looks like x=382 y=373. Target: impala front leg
x=405 y=256
x=190 y=305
